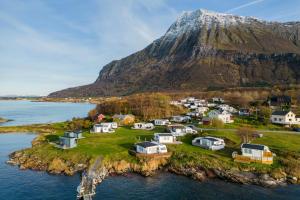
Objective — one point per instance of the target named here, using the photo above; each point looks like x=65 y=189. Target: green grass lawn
x=115 y=146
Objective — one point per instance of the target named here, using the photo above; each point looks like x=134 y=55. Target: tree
x=247 y=134
x=265 y=113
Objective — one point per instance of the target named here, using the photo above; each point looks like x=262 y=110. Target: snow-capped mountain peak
x=191 y=20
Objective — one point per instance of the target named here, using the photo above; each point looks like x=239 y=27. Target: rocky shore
x=148 y=167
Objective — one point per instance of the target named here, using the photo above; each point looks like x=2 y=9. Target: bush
x=217 y=123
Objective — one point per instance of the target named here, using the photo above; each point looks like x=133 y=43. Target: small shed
x=164 y=138
x=143 y=126
x=161 y=122
x=211 y=143
x=67 y=142
x=151 y=148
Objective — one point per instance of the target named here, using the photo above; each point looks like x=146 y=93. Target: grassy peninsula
x=113 y=148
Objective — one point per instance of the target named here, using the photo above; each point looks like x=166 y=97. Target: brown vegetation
x=144 y=106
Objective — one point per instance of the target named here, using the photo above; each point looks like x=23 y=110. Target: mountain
x=201 y=50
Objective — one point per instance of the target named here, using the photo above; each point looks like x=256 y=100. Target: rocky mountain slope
x=201 y=50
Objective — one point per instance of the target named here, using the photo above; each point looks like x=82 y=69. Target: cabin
x=202 y=110
x=124 y=120
x=193 y=114
x=164 y=138
x=143 y=126
x=285 y=118
x=151 y=148
x=217 y=100
x=224 y=116
x=180 y=130
x=161 y=122
x=255 y=153
x=181 y=119
x=103 y=128
x=73 y=134
x=280 y=101
x=206 y=121
x=244 y=112
x=67 y=142
x=227 y=108
x=211 y=143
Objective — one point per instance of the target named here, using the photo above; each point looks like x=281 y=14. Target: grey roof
x=210 y=139
x=164 y=134
x=253 y=146
x=146 y=144
x=283 y=113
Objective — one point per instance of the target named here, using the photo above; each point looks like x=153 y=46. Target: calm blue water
x=26 y=112
x=16 y=184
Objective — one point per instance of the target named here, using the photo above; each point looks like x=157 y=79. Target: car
x=296 y=129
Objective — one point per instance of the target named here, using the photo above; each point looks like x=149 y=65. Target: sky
x=49 y=45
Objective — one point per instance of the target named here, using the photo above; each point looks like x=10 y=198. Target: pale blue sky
x=48 y=45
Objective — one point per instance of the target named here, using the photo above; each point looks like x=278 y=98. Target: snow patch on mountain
x=193 y=20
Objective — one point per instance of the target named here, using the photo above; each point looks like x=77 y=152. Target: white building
x=225 y=107
x=224 y=116
x=161 y=122
x=164 y=138
x=284 y=118
x=180 y=130
x=143 y=126
x=151 y=148
x=217 y=100
x=113 y=125
x=193 y=114
x=257 y=152
x=180 y=119
x=106 y=127
x=202 y=110
x=211 y=143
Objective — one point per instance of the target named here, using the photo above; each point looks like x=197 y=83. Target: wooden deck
x=268 y=159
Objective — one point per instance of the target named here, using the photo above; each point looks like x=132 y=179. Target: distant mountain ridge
x=201 y=50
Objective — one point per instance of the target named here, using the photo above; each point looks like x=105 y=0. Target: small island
x=3 y=120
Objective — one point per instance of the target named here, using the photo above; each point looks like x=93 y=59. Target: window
x=248 y=151
x=275 y=119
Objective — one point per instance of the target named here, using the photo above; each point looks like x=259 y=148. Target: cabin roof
x=281 y=113
x=253 y=146
x=147 y=144
x=164 y=134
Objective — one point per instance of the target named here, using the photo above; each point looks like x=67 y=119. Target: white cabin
x=164 y=138
x=104 y=128
x=257 y=152
x=211 y=143
x=284 y=118
x=180 y=130
x=143 y=126
x=224 y=116
x=161 y=122
x=202 y=110
x=181 y=119
x=151 y=148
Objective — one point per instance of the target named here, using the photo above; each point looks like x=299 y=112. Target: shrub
x=217 y=123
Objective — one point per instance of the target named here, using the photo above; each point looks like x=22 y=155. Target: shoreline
x=147 y=169
x=200 y=171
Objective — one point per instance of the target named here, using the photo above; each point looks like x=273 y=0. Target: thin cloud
x=244 y=6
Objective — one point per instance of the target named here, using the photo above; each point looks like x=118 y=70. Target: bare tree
x=247 y=134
